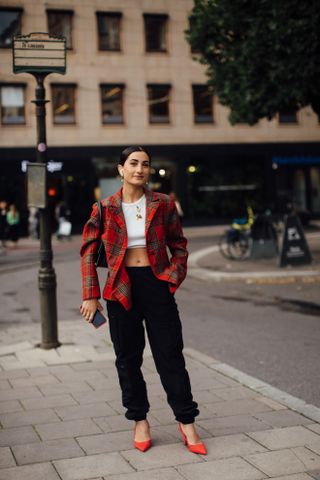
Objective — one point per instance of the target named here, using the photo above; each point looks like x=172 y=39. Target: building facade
x=132 y=79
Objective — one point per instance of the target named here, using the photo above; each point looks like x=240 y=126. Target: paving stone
x=315 y=447
x=6 y=458
x=116 y=423
x=17 y=393
x=17 y=436
x=19 y=373
x=283 y=418
x=228 y=469
x=73 y=376
x=92 y=466
x=88 y=365
x=96 y=396
x=295 y=476
x=52 y=369
x=315 y=427
x=10 y=406
x=314 y=475
x=231 y=446
x=270 y=402
x=163 y=474
x=5 y=385
x=286 y=437
x=48 y=402
x=207 y=396
x=233 y=424
x=28 y=418
x=234 y=393
x=69 y=387
x=29 y=381
x=13 y=364
x=46 y=451
x=310 y=459
x=72 y=428
x=106 y=442
x=276 y=463
x=84 y=411
x=38 y=471
x=236 y=407
x=162 y=456
x=15 y=347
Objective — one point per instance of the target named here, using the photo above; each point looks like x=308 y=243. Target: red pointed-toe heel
x=199 y=448
x=142 y=446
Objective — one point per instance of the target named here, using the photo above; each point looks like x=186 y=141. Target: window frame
x=288 y=123
x=67 y=12
x=66 y=85
x=19 y=10
x=196 y=120
x=160 y=16
x=23 y=86
x=114 y=15
x=160 y=85
x=122 y=86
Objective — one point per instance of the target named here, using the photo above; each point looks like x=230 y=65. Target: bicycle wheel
x=239 y=246
x=223 y=244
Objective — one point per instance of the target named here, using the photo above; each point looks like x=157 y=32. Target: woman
x=13 y=220
x=139 y=225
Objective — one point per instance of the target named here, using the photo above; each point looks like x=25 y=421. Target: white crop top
x=135 y=217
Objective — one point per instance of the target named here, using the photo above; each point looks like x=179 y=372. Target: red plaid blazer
x=163 y=229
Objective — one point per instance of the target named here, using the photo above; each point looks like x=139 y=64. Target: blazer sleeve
x=177 y=245
x=89 y=247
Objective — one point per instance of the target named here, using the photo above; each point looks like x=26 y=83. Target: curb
x=294 y=403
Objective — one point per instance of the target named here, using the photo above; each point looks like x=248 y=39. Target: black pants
x=152 y=302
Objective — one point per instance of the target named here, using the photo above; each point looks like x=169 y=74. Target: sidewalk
x=62 y=418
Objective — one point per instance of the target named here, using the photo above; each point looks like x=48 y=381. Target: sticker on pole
x=39 y=53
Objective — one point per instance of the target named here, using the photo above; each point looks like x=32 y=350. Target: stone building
x=132 y=79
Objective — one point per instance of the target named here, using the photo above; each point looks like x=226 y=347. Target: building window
x=10 y=25
x=12 y=104
x=109 y=30
x=288 y=116
x=60 y=24
x=158 y=102
x=63 y=103
x=202 y=104
x=112 y=103
x=155 y=27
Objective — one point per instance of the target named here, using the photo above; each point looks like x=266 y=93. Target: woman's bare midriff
x=136 y=257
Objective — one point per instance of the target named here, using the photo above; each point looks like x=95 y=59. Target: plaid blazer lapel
x=116 y=209
x=152 y=204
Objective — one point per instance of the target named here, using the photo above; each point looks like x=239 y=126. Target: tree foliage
x=262 y=57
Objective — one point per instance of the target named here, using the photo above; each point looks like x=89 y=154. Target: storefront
x=214 y=183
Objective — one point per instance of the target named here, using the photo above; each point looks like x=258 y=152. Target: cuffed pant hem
x=136 y=418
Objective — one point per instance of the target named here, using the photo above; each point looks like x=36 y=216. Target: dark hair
x=127 y=151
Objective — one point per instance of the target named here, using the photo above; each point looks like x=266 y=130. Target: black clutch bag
x=100 y=260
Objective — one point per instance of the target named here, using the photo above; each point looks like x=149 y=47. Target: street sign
x=295 y=249
x=37 y=185
x=39 y=53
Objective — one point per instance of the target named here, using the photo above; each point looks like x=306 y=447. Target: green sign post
x=40 y=54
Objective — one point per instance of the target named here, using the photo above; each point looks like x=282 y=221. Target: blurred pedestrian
x=140 y=226
x=13 y=221
x=3 y=224
x=33 y=222
x=63 y=216
x=177 y=204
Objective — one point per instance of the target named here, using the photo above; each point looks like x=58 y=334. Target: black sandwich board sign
x=39 y=53
x=295 y=250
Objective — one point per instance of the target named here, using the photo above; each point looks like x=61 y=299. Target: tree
x=262 y=57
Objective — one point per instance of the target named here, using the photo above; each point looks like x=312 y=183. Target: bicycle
x=235 y=243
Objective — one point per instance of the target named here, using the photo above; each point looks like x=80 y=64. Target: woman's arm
x=177 y=245
x=90 y=237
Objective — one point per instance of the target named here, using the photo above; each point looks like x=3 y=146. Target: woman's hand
x=89 y=307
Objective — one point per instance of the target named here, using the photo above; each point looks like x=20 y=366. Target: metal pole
x=46 y=277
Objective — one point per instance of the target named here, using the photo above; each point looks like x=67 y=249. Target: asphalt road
x=269 y=331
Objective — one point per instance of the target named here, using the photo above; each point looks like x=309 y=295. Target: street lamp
x=40 y=54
